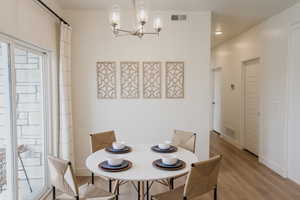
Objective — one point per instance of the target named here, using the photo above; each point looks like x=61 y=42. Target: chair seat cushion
x=176 y=194
x=89 y=192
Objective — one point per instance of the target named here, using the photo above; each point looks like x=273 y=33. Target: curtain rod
x=53 y=12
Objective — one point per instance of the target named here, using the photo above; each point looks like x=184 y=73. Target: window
x=24 y=121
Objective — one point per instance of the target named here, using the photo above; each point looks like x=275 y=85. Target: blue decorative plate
x=172 y=149
x=126 y=149
x=177 y=166
x=126 y=164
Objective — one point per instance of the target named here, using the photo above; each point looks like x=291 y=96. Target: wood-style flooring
x=241 y=178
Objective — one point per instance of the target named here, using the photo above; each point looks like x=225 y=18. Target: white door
x=217 y=104
x=294 y=108
x=251 y=106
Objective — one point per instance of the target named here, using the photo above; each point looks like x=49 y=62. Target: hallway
x=243 y=178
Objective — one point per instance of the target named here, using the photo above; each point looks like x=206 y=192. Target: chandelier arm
x=151 y=33
x=125 y=31
x=125 y=34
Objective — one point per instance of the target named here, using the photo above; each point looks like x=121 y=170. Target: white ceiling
x=231 y=16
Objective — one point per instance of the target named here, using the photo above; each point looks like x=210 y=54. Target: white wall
x=141 y=120
x=27 y=21
x=294 y=100
x=269 y=42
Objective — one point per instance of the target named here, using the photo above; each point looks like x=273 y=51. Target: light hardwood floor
x=241 y=178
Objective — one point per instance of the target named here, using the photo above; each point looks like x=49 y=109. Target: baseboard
x=82 y=172
x=273 y=166
x=231 y=141
x=294 y=179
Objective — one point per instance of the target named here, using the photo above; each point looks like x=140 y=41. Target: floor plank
x=242 y=177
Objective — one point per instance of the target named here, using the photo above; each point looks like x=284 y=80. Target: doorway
x=251 y=105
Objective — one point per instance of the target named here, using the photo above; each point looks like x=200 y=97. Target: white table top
x=141 y=157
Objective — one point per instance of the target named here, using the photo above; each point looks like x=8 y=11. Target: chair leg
x=25 y=172
x=77 y=197
x=93 y=178
x=110 y=185
x=216 y=193
x=53 y=193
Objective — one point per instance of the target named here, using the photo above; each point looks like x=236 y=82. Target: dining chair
x=63 y=179
x=184 y=139
x=100 y=141
x=202 y=178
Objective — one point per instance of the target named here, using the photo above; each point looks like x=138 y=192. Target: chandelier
x=142 y=19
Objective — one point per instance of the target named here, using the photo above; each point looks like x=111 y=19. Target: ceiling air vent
x=178 y=17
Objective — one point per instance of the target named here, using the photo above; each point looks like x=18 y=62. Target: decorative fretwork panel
x=106 y=80
x=174 y=80
x=129 y=80
x=152 y=80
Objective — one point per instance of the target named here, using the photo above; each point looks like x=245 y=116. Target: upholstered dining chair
x=100 y=141
x=62 y=178
x=202 y=178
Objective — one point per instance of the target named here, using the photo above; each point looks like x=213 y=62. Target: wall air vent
x=230 y=132
x=178 y=17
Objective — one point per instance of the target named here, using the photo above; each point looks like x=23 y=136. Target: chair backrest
x=186 y=140
x=202 y=178
x=62 y=176
x=102 y=140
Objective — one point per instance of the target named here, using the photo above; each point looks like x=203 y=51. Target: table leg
x=139 y=190
x=147 y=190
x=171 y=184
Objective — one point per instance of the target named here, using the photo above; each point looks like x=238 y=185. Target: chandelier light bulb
x=142 y=16
x=157 y=24
x=115 y=16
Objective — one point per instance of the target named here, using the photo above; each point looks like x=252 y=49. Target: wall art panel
x=129 y=80
x=106 y=80
x=152 y=80
x=174 y=80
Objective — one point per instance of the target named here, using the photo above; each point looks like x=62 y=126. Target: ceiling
x=230 y=16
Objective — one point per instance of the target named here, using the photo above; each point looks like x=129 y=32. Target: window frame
x=46 y=98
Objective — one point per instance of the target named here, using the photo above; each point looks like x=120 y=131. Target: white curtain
x=65 y=98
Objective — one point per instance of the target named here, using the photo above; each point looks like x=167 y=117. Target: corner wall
x=269 y=42
x=140 y=120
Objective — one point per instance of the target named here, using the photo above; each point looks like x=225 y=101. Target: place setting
x=118 y=148
x=115 y=164
x=169 y=163
x=165 y=147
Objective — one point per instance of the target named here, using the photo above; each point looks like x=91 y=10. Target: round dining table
x=142 y=171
